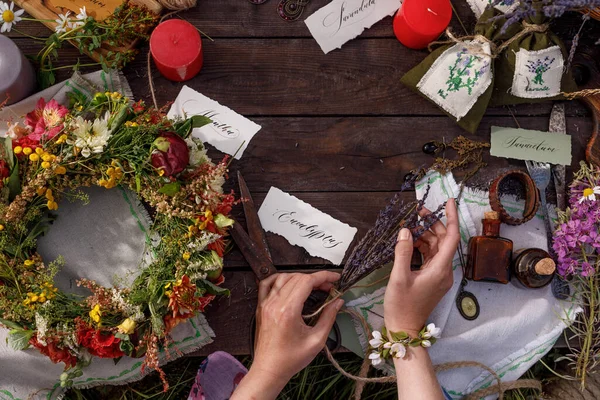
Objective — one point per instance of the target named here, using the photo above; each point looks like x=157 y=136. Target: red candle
x=176 y=48
x=420 y=22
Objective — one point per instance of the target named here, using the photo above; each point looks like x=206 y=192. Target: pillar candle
x=419 y=22
x=176 y=48
x=17 y=77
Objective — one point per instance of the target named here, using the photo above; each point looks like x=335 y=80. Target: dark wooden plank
x=293 y=77
x=362 y=153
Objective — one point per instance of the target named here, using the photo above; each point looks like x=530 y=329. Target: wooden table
x=338 y=130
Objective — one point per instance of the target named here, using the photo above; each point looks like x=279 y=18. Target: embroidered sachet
x=532 y=67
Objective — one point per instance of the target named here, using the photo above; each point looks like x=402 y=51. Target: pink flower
x=46 y=120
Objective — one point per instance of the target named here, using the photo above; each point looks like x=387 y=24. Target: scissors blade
x=260 y=264
x=558 y=124
x=255 y=230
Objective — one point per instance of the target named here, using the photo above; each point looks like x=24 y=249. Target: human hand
x=284 y=343
x=411 y=296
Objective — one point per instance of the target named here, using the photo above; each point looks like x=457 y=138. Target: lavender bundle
x=376 y=248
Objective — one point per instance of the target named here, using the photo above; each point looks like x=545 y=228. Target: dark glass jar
x=490 y=255
x=534 y=268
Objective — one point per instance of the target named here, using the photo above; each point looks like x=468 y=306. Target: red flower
x=47 y=119
x=139 y=106
x=4 y=171
x=25 y=141
x=99 y=343
x=171 y=154
x=54 y=352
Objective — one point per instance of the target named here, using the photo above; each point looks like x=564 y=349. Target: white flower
x=432 y=331
x=41 y=324
x=426 y=343
x=590 y=194
x=8 y=17
x=388 y=345
x=197 y=152
x=63 y=23
x=398 y=350
x=91 y=137
x=377 y=339
x=375 y=358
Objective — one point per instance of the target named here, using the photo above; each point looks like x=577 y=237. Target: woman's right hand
x=411 y=296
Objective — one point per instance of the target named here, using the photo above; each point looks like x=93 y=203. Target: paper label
x=343 y=20
x=229 y=132
x=523 y=144
x=458 y=77
x=99 y=9
x=538 y=74
x=305 y=226
x=479 y=6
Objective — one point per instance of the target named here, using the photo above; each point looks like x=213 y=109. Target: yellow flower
x=61 y=139
x=34 y=157
x=208 y=216
x=49 y=194
x=47 y=157
x=95 y=314
x=110 y=171
x=45 y=164
x=28 y=263
x=127 y=327
x=186 y=255
x=41 y=191
x=39 y=151
x=192 y=229
x=27 y=151
x=18 y=150
x=1 y=227
x=60 y=170
x=52 y=205
x=161 y=172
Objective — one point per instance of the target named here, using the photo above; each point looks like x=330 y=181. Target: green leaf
x=138 y=182
x=222 y=221
x=398 y=336
x=9 y=156
x=385 y=353
x=170 y=189
x=414 y=343
x=211 y=288
x=116 y=360
x=198 y=121
x=14 y=185
x=432 y=340
x=18 y=339
x=10 y=324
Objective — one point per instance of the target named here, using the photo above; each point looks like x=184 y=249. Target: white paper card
x=343 y=20
x=458 y=77
x=229 y=132
x=305 y=226
x=479 y=6
x=538 y=74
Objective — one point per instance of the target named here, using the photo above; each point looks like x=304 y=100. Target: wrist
x=259 y=384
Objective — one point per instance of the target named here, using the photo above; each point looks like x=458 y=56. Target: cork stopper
x=491 y=215
x=545 y=266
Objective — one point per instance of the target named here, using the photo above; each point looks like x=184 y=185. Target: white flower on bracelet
x=399 y=342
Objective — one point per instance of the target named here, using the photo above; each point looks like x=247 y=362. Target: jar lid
x=546 y=266
x=491 y=215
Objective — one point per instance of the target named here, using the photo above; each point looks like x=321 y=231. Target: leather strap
x=532 y=197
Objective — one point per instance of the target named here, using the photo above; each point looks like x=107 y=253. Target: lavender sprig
x=376 y=248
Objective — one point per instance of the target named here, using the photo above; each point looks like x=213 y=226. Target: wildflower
x=431 y=331
x=1 y=227
x=34 y=157
x=61 y=139
x=60 y=170
x=186 y=255
x=52 y=205
x=589 y=194
x=45 y=165
x=17 y=150
x=426 y=343
x=27 y=151
x=182 y=302
x=81 y=17
x=96 y=314
x=8 y=17
x=99 y=343
x=206 y=219
x=91 y=137
x=171 y=154
x=375 y=358
x=377 y=339
x=63 y=23
x=398 y=350
x=46 y=120
x=127 y=327
x=28 y=263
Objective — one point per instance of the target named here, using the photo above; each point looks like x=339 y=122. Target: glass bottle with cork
x=490 y=256
x=534 y=268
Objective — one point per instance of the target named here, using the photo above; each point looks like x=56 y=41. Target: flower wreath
x=108 y=141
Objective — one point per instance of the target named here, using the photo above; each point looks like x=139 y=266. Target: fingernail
x=339 y=303
x=404 y=234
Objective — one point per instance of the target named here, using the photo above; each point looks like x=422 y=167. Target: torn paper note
x=525 y=144
x=342 y=20
x=305 y=226
x=229 y=132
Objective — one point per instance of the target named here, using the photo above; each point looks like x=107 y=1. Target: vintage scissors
x=254 y=248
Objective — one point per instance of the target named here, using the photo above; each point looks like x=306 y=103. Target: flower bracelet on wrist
x=382 y=348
